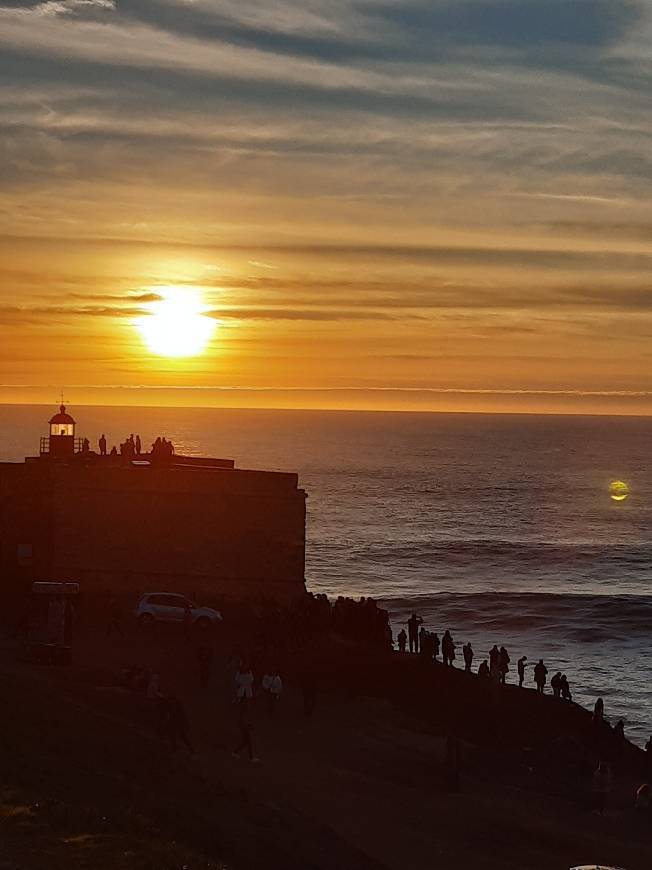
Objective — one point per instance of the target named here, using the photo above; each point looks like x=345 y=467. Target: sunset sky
x=411 y=204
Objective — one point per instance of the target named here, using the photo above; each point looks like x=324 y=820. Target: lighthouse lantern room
x=61 y=441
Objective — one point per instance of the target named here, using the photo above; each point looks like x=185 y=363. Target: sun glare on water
x=177 y=325
x=618 y=490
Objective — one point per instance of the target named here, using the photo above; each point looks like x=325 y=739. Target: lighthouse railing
x=78 y=444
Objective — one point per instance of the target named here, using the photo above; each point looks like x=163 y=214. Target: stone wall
x=136 y=529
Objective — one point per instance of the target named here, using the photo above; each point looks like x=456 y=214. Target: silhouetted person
x=138 y=445
x=448 y=648
x=598 y=712
x=244 y=683
x=115 y=618
x=467 y=651
x=520 y=667
x=503 y=664
x=494 y=658
x=401 y=639
x=601 y=787
x=564 y=688
x=483 y=670
x=436 y=645
x=102 y=445
x=114 y=451
x=86 y=446
x=648 y=746
x=540 y=674
x=413 y=624
x=555 y=684
x=423 y=641
x=205 y=660
x=176 y=724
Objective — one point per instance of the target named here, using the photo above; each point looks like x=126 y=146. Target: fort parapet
x=142 y=523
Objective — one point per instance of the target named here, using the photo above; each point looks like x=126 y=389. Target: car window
x=174 y=600
x=157 y=599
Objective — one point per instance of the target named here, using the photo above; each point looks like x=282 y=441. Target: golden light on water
x=618 y=490
x=177 y=325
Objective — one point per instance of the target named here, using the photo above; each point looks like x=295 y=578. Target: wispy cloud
x=373 y=177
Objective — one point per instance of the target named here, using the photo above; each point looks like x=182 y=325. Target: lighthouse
x=60 y=444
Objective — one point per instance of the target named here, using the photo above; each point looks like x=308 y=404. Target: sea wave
x=541 y=552
x=585 y=618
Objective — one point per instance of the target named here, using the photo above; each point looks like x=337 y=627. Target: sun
x=176 y=325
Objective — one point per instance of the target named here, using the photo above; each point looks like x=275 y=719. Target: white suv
x=171 y=607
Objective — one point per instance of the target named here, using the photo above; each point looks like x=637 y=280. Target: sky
x=401 y=204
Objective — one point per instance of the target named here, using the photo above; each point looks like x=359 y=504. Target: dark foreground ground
x=86 y=783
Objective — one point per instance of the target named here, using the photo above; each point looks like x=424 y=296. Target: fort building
x=156 y=521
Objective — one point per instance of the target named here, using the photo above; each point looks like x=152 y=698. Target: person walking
x=520 y=667
x=413 y=624
x=540 y=674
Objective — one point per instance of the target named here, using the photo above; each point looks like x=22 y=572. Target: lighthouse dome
x=62 y=417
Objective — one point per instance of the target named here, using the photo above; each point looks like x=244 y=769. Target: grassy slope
x=83 y=788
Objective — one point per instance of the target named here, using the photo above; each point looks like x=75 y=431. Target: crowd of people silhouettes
x=428 y=645
x=131 y=448
x=254 y=683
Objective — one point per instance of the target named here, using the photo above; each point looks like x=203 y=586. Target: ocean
x=498 y=527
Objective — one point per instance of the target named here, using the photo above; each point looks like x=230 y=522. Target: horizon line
x=327 y=410
x=443 y=391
